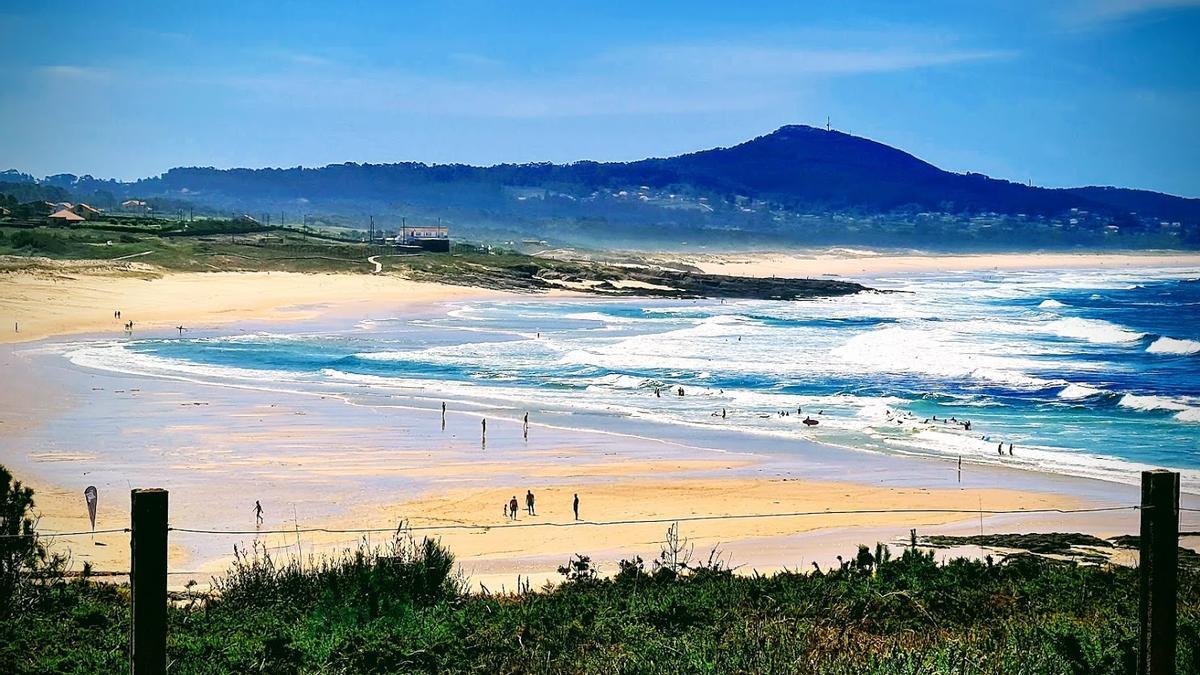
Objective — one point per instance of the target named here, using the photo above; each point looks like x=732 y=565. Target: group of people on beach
x=966 y=426
x=511 y=506
x=128 y=325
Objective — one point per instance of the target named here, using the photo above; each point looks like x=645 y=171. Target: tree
x=20 y=550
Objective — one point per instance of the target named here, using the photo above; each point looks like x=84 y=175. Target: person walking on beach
x=1000 y=449
x=575 y=506
x=483 y=438
x=1010 y=449
x=443 y=415
x=529 y=502
x=512 y=507
x=525 y=426
x=258 y=513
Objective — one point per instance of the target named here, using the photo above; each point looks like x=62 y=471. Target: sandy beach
x=319 y=461
x=44 y=303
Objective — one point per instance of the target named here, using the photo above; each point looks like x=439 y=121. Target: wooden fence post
x=1158 y=567
x=148 y=582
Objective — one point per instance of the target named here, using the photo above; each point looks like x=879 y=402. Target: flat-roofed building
x=434 y=238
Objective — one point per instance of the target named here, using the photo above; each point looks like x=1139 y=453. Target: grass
x=282 y=251
x=231 y=246
x=400 y=608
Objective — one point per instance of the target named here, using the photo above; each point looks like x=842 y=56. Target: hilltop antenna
x=827 y=126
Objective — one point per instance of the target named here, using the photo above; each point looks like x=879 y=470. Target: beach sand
x=320 y=461
x=316 y=461
x=51 y=303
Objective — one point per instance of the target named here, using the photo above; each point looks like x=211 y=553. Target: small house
x=86 y=212
x=65 y=217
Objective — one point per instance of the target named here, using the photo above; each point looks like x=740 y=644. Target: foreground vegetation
x=230 y=245
x=401 y=608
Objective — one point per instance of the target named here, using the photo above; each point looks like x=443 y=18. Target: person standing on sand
x=529 y=502
x=575 y=506
x=483 y=438
x=258 y=513
x=512 y=507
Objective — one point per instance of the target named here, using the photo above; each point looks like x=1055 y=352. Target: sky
x=1064 y=93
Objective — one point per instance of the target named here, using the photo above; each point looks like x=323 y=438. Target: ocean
x=1092 y=373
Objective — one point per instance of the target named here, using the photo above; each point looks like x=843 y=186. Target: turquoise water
x=1090 y=373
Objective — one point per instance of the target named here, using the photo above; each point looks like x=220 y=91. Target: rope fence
x=596 y=523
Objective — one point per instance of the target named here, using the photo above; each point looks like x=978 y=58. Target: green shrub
x=39 y=241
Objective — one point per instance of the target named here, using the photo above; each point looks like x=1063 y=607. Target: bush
x=39 y=241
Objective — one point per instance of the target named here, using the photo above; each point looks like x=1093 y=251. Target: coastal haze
x=885 y=281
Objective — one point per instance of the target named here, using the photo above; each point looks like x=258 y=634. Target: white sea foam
x=1075 y=392
x=1166 y=345
x=1050 y=304
x=937 y=352
x=1096 y=331
x=1138 y=402
x=600 y=316
x=1186 y=410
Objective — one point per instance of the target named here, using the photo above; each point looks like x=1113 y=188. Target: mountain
x=797 y=182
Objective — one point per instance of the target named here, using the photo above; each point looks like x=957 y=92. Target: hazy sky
x=1070 y=93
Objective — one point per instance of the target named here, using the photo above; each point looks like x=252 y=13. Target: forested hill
x=796 y=182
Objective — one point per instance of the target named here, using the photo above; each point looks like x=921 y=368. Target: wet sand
x=318 y=461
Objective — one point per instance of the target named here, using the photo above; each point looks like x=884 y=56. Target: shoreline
x=856 y=263
x=322 y=461
x=79 y=297
x=361 y=468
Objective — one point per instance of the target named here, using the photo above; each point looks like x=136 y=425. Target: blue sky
x=1066 y=93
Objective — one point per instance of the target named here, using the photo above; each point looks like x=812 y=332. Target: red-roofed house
x=65 y=217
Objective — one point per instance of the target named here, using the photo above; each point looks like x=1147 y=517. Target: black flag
x=89 y=494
